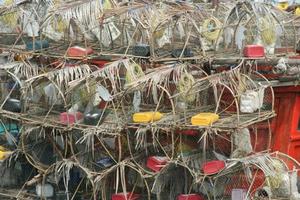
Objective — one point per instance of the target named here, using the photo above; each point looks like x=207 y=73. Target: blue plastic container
x=37 y=45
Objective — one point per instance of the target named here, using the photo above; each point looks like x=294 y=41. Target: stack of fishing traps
x=108 y=100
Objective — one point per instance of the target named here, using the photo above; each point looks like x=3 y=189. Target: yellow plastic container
x=145 y=117
x=283 y=5
x=297 y=11
x=204 y=119
x=4 y=154
x=2 y=148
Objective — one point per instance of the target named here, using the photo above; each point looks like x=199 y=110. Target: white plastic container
x=44 y=190
x=251 y=100
x=238 y=194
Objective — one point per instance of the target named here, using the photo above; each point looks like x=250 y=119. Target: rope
x=211 y=29
x=133 y=72
x=9 y=19
x=275 y=181
x=186 y=82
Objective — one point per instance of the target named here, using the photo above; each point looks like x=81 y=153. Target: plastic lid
x=213 y=167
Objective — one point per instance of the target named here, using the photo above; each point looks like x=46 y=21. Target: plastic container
x=12 y=137
x=254 y=51
x=44 y=190
x=126 y=196
x=238 y=194
x=213 y=167
x=251 y=101
x=70 y=118
x=105 y=162
x=187 y=132
x=99 y=63
x=37 y=45
x=284 y=50
x=283 y=5
x=8 y=127
x=145 y=117
x=297 y=11
x=190 y=197
x=12 y=105
x=204 y=119
x=156 y=163
x=186 y=53
x=4 y=154
x=141 y=50
x=79 y=51
x=93 y=117
x=62 y=195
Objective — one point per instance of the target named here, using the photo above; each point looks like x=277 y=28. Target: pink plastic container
x=254 y=51
x=126 y=196
x=190 y=197
x=79 y=51
x=70 y=118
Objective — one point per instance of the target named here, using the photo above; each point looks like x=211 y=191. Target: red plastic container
x=79 y=51
x=99 y=63
x=126 y=196
x=102 y=104
x=187 y=132
x=70 y=118
x=284 y=50
x=213 y=167
x=190 y=197
x=60 y=64
x=156 y=163
x=254 y=51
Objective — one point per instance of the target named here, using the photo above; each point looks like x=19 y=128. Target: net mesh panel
x=239 y=180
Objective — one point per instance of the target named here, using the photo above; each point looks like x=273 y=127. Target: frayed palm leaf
x=63 y=76
x=141 y=138
x=21 y=69
x=63 y=168
x=84 y=13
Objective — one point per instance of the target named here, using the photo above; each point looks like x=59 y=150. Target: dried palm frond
x=141 y=138
x=85 y=14
x=63 y=168
x=63 y=76
x=84 y=11
x=159 y=76
x=113 y=73
x=22 y=70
